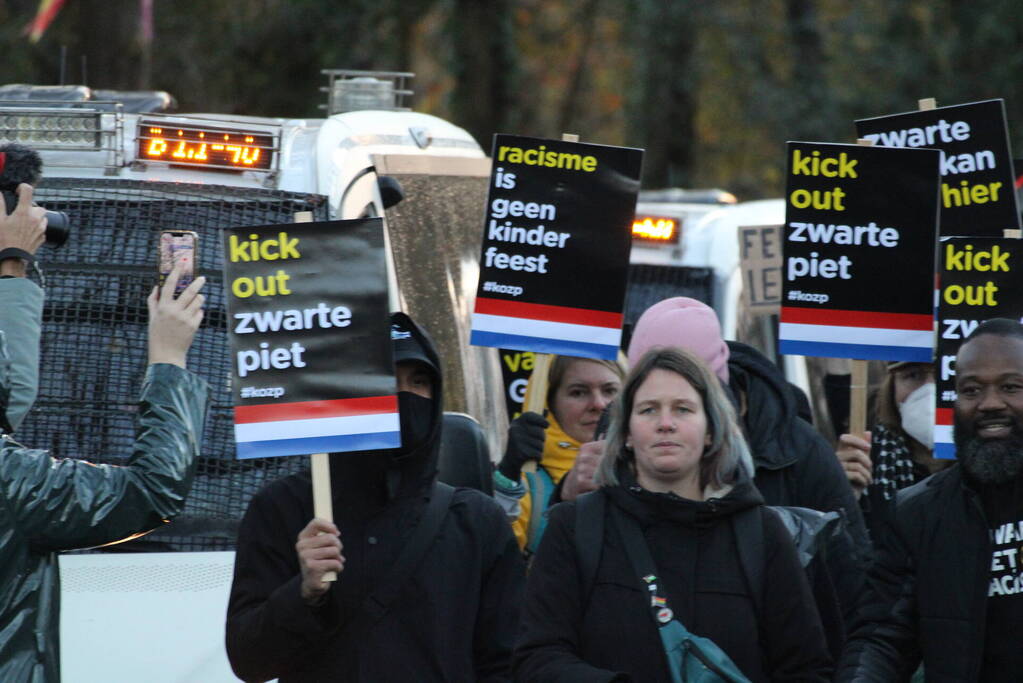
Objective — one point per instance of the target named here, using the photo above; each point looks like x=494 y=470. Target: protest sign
x=979 y=280
x=516 y=367
x=977 y=190
x=859 y=252
x=555 y=251
x=760 y=259
x=308 y=324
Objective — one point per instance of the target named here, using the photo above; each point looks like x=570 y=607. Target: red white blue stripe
x=861 y=335
x=944 y=444
x=546 y=329
x=302 y=428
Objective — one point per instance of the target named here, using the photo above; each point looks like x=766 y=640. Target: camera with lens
x=20 y=164
x=58 y=225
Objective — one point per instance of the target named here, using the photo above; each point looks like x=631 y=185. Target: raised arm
x=62 y=504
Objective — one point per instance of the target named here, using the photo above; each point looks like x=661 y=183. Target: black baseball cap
x=407 y=346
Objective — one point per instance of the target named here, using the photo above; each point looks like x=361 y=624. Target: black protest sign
x=556 y=242
x=516 y=368
x=858 y=252
x=308 y=324
x=978 y=195
x=979 y=280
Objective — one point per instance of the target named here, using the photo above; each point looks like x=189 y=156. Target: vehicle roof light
x=661 y=229
x=350 y=90
x=52 y=129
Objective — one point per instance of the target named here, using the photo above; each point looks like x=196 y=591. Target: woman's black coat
x=610 y=635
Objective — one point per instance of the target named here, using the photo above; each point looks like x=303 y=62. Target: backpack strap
x=589 y=537
x=749 y=538
x=541 y=486
x=379 y=602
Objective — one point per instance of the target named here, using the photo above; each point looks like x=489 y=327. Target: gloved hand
x=525 y=442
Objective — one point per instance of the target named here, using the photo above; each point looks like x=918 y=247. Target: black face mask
x=416 y=416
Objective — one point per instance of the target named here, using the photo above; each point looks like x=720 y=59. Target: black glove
x=525 y=442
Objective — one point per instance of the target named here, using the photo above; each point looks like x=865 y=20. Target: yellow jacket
x=559 y=453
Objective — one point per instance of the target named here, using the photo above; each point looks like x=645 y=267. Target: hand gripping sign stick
x=535 y=397
x=320 y=462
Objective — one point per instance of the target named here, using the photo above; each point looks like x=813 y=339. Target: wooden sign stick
x=537 y=395
x=320 y=462
x=858 y=398
x=858 y=381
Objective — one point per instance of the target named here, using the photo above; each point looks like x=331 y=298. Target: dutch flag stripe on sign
x=317 y=427
x=548 y=329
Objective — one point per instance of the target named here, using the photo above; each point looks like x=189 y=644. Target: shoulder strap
x=635 y=545
x=379 y=601
x=589 y=537
x=541 y=486
x=749 y=538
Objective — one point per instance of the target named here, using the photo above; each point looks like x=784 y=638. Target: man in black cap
x=947 y=586
x=428 y=578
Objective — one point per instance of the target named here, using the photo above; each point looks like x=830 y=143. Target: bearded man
x=947 y=586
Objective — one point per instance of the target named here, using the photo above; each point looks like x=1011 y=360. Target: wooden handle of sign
x=858 y=398
x=322 y=506
x=1012 y=234
x=927 y=104
x=569 y=137
x=320 y=462
x=536 y=395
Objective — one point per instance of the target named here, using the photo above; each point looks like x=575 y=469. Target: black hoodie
x=608 y=634
x=455 y=619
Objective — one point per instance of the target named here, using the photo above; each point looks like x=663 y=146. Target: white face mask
x=917 y=413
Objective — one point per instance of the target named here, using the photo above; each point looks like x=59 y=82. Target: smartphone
x=177 y=247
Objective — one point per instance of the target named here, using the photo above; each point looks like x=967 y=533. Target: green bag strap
x=669 y=628
x=541 y=487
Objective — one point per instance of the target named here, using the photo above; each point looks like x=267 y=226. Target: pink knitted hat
x=685 y=322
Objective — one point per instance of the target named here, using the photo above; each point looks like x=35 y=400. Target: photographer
x=21 y=235
x=49 y=504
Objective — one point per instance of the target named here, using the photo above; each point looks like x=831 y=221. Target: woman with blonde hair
x=577 y=392
x=678 y=515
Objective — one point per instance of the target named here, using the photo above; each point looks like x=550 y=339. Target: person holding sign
x=428 y=577
x=52 y=504
x=675 y=539
x=898 y=452
x=946 y=588
x=578 y=391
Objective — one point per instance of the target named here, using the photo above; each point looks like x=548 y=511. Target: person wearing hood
x=578 y=392
x=675 y=481
x=794 y=464
x=453 y=618
x=898 y=451
x=50 y=504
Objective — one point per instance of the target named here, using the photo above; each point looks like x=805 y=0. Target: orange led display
x=655 y=228
x=215 y=147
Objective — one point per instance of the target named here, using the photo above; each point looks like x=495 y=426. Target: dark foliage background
x=712 y=90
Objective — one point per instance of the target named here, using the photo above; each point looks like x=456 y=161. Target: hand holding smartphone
x=177 y=247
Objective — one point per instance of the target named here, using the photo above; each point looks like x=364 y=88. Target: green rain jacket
x=49 y=504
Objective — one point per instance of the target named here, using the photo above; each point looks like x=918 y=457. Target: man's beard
x=989 y=461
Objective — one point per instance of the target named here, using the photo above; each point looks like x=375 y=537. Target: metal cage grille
x=649 y=284
x=94 y=336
